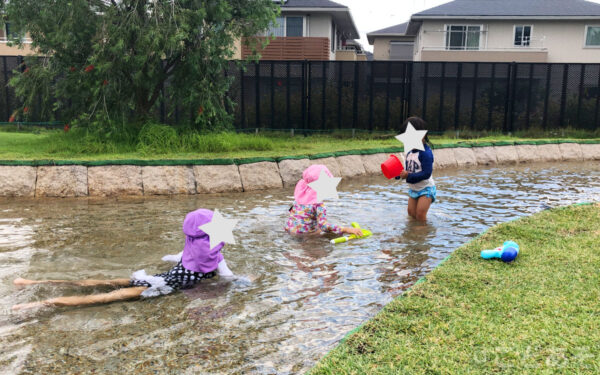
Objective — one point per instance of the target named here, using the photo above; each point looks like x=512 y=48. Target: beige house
x=392 y=43
x=6 y=50
x=310 y=30
x=549 y=31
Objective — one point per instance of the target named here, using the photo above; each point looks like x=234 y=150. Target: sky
x=372 y=15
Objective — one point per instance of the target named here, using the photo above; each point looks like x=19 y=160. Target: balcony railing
x=290 y=48
x=533 y=45
x=507 y=49
x=525 y=54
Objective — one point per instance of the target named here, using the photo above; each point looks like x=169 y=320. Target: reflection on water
x=300 y=296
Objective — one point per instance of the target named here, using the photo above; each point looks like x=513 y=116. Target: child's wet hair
x=419 y=124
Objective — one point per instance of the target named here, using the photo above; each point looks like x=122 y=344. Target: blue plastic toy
x=507 y=252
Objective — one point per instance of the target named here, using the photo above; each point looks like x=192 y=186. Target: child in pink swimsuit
x=307 y=214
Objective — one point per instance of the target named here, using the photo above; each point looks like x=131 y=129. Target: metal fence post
x=242 y=104
x=371 y=93
x=227 y=97
x=491 y=97
x=409 y=80
x=580 y=97
x=272 y=95
x=596 y=125
x=387 y=95
x=425 y=79
x=513 y=97
x=355 y=97
x=305 y=94
x=563 y=96
x=324 y=98
x=287 y=95
x=441 y=108
x=457 y=100
x=339 y=67
x=6 y=89
x=403 y=93
x=257 y=92
x=547 y=96
x=529 y=86
x=507 y=98
x=474 y=94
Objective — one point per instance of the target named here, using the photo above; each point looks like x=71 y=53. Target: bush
x=156 y=138
x=164 y=139
x=228 y=141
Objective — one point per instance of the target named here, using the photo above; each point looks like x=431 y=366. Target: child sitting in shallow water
x=197 y=261
x=307 y=214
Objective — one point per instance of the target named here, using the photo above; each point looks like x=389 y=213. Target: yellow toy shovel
x=366 y=233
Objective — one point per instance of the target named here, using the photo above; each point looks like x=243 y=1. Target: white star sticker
x=325 y=186
x=219 y=229
x=412 y=138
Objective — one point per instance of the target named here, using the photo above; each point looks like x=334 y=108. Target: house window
x=592 y=36
x=522 y=35
x=462 y=37
x=8 y=33
x=277 y=29
x=294 y=26
x=401 y=51
x=287 y=26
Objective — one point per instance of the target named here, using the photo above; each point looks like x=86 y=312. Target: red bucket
x=392 y=167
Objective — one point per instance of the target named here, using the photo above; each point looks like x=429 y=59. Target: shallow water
x=298 y=298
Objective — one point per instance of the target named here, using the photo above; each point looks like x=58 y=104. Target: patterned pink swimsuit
x=305 y=218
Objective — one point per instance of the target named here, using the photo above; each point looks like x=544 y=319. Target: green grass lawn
x=24 y=146
x=538 y=315
x=57 y=145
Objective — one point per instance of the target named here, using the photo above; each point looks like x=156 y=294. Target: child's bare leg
x=423 y=207
x=90 y=282
x=412 y=207
x=116 y=295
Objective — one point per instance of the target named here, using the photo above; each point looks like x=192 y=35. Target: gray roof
x=396 y=30
x=393 y=31
x=512 y=8
x=311 y=4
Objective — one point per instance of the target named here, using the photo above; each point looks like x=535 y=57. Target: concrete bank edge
x=73 y=179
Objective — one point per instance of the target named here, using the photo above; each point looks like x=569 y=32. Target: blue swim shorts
x=429 y=192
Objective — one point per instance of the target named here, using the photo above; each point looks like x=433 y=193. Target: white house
x=551 y=31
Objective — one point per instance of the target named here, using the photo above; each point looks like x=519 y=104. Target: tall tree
x=108 y=60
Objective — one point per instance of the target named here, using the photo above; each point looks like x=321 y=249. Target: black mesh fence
x=8 y=100
x=379 y=95
x=318 y=96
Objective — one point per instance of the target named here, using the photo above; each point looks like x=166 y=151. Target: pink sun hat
x=304 y=194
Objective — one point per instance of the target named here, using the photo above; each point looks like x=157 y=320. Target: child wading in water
x=197 y=261
x=308 y=214
x=418 y=174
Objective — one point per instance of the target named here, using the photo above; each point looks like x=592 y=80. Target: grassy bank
x=538 y=315
x=165 y=143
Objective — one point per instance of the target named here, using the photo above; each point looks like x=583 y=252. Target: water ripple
x=300 y=297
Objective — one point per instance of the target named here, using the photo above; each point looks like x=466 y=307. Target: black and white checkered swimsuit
x=177 y=277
